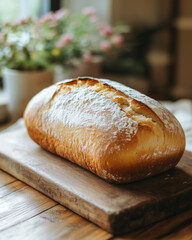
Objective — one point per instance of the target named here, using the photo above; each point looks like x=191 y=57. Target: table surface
x=28 y=214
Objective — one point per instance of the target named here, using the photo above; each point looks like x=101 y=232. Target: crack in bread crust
x=126 y=103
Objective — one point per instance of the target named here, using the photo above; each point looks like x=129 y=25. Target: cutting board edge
x=111 y=219
x=131 y=226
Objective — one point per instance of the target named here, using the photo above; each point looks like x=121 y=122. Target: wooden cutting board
x=115 y=208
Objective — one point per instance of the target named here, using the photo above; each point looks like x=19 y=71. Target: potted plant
x=69 y=43
x=76 y=43
x=23 y=64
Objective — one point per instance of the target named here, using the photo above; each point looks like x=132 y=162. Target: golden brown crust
x=105 y=127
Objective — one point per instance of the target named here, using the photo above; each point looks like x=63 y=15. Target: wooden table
x=28 y=214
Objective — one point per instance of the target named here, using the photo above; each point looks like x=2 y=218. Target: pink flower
x=47 y=18
x=117 y=40
x=87 y=58
x=105 y=46
x=64 y=40
x=62 y=12
x=21 y=21
x=24 y=20
x=89 y=11
x=106 y=30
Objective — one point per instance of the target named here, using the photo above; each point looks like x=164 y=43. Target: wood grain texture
x=59 y=223
x=115 y=208
x=10 y=188
x=55 y=223
x=21 y=205
x=5 y=179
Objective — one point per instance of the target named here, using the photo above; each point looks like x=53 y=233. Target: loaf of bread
x=105 y=127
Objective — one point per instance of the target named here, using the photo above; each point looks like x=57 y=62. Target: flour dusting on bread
x=82 y=107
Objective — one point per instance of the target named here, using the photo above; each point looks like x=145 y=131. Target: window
x=13 y=10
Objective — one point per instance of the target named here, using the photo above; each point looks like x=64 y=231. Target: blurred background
x=156 y=54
